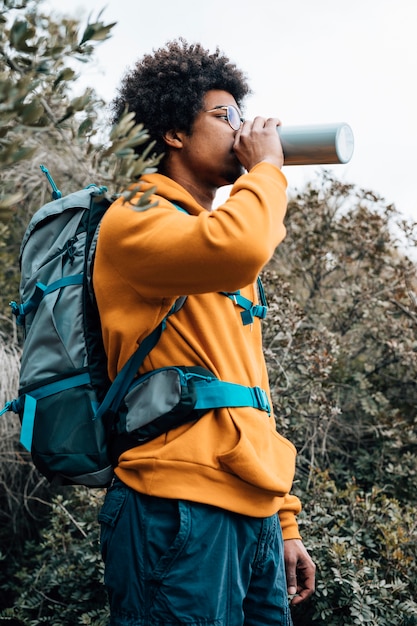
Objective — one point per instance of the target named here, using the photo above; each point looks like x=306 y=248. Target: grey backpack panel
x=63 y=207
x=52 y=250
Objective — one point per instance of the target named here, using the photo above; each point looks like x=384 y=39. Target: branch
x=407 y=312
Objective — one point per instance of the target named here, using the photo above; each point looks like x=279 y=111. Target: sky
x=307 y=61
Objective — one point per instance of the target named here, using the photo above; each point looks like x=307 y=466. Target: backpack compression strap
x=41 y=290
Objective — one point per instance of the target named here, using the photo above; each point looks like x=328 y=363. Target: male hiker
x=192 y=525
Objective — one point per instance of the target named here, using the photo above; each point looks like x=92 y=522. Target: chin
x=231 y=177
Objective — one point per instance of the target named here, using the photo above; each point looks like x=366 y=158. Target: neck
x=202 y=193
x=204 y=197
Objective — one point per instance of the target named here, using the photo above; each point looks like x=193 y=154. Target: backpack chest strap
x=250 y=310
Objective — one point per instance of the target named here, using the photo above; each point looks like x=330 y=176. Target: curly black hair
x=165 y=89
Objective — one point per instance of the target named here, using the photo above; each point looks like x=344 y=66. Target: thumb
x=291 y=584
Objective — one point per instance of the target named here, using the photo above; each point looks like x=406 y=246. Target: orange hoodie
x=231 y=458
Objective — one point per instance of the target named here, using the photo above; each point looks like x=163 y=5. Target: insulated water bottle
x=316 y=144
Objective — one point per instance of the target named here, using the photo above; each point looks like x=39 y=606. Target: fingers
x=291 y=584
x=304 y=591
x=300 y=571
x=257 y=140
x=258 y=123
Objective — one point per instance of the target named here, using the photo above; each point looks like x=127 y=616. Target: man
x=192 y=526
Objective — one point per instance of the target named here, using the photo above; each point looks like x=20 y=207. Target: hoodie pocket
x=269 y=466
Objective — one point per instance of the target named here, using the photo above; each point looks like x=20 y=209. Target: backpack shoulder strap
x=124 y=378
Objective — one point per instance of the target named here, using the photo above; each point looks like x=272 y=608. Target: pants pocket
x=110 y=514
x=170 y=533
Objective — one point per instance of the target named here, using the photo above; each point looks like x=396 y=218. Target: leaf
x=142 y=203
x=7 y=203
x=20 y=32
x=66 y=75
x=86 y=127
x=97 y=32
x=31 y=112
x=13 y=153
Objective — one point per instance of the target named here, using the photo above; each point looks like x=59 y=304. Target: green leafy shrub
x=45 y=120
x=341 y=341
x=365 y=546
x=57 y=578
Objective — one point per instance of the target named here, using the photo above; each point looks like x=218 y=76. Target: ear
x=173 y=138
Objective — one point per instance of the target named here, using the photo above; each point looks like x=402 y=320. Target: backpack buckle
x=262 y=401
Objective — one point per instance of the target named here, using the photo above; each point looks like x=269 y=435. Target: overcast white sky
x=308 y=61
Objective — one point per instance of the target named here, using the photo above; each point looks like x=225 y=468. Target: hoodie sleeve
x=172 y=253
x=287 y=517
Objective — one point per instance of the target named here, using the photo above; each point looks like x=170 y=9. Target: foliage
x=340 y=343
x=36 y=73
x=58 y=578
x=365 y=546
x=341 y=340
x=44 y=120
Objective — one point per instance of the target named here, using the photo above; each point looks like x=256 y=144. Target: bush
x=365 y=546
x=57 y=578
x=341 y=339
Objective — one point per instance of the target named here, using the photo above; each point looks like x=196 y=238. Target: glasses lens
x=233 y=117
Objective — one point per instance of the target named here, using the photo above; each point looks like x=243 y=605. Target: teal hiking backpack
x=63 y=370
x=74 y=422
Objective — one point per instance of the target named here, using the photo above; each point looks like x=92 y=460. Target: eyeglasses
x=232 y=115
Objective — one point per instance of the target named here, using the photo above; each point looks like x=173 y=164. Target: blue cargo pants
x=175 y=562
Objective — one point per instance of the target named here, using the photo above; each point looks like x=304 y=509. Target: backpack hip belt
x=169 y=397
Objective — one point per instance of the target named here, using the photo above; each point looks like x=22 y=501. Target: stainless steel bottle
x=316 y=144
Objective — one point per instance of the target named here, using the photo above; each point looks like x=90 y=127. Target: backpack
x=74 y=422
x=63 y=371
